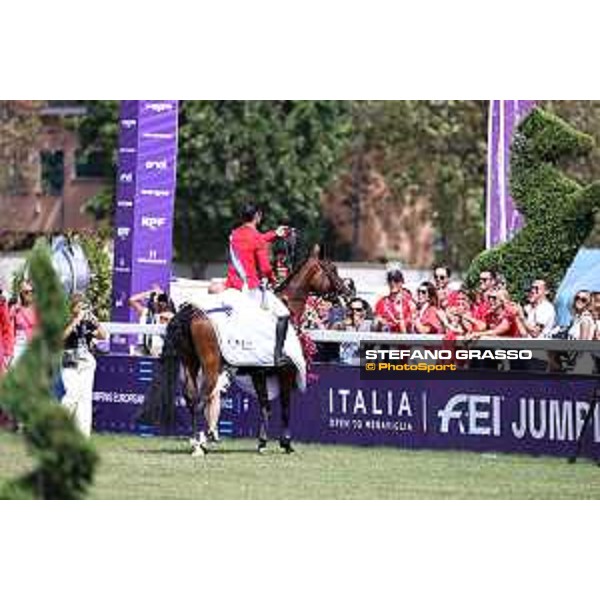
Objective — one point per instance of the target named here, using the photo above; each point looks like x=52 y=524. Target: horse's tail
x=160 y=398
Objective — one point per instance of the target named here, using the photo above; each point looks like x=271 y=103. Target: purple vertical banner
x=146 y=178
x=502 y=218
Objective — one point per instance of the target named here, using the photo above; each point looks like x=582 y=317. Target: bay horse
x=191 y=340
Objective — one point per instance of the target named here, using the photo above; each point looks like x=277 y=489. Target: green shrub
x=65 y=460
x=558 y=211
x=100 y=288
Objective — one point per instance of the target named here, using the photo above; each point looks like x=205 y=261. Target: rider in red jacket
x=250 y=268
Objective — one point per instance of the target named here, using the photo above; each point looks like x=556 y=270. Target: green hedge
x=558 y=211
x=65 y=460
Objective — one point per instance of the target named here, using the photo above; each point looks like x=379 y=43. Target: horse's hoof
x=572 y=460
x=212 y=437
x=198 y=447
x=286 y=445
x=262 y=446
x=199 y=450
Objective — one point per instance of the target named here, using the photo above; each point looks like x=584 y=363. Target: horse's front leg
x=286 y=383
x=259 y=381
x=212 y=412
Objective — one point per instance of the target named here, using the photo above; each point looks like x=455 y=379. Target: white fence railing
x=329 y=336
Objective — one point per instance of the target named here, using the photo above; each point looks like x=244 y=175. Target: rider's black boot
x=280 y=335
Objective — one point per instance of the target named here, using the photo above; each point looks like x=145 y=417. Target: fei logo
x=159 y=165
x=474 y=414
x=126 y=177
x=128 y=123
x=153 y=223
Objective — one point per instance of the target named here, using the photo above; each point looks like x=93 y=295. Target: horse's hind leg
x=190 y=393
x=207 y=349
x=259 y=381
x=286 y=383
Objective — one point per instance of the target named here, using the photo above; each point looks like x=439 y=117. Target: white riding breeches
x=268 y=301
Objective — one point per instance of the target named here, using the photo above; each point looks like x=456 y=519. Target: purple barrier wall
x=145 y=197
x=537 y=417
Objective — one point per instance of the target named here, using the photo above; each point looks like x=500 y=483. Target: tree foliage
x=100 y=288
x=279 y=153
x=65 y=460
x=436 y=150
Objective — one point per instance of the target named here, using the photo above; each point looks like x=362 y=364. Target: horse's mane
x=283 y=284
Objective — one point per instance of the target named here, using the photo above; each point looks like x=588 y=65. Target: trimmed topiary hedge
x=65 y=459
x=558 y=211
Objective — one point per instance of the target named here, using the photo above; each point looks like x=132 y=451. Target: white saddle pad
x=246 y=332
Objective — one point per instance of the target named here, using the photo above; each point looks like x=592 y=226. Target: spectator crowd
x=446 y=307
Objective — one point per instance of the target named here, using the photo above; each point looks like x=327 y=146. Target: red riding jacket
x=249 y=257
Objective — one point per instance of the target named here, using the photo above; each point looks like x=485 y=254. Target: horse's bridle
x=339 y=287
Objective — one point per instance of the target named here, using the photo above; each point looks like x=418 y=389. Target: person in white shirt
x=540 y=316
x=583 y=325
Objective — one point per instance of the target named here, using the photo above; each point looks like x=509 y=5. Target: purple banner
x=537 y=417
x=146 y=178
x=502 y=218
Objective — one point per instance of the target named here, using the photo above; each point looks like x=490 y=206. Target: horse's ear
x=316 y=251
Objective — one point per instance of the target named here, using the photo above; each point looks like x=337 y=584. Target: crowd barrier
x=536 y=416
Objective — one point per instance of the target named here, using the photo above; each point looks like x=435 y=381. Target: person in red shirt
x=395 y=311
x=6 y=334
x=481 y=307
x=24 y=319
x=502 y=320
x=250 y=270
x=427 y=318
x=6 y=349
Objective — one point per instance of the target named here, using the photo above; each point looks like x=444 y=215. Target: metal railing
x=379 y=337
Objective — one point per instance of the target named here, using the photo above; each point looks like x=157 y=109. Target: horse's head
x=314 y=276
x=324 y=278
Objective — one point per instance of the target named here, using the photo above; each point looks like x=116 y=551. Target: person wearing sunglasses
x=356 y=320
x=539 y=316
x=441 y=279
x=427 y=318
x=395 y=311
x=481 y=306
x=24 y=319
x=583 y=325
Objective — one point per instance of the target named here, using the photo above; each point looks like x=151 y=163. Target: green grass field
x=153 y=468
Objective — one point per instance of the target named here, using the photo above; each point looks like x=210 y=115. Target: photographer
x=159 y=309
x=79 y=364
